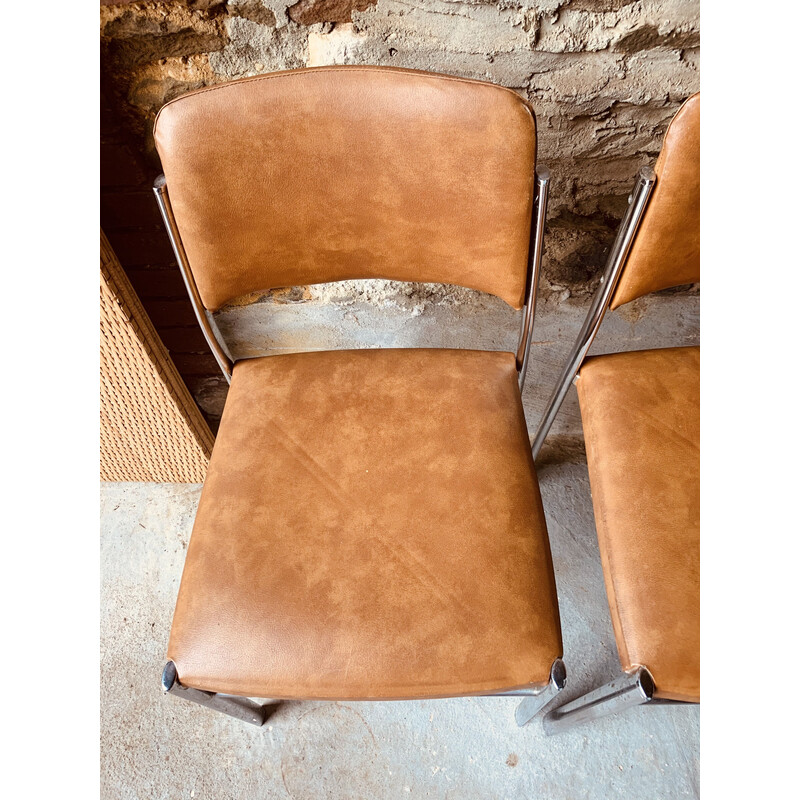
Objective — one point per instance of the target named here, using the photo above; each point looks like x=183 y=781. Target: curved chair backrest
x=338 y=173
x=666 y=249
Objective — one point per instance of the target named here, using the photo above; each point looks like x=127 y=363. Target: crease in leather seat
x=371 y=525
x=641 y=422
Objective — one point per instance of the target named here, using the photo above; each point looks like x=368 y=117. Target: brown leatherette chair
x=370 y=527
x=641 y=421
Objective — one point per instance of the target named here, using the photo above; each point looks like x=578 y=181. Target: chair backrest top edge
x=305 y=71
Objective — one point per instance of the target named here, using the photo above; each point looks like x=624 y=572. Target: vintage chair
x=371 y=525
x=641 y=421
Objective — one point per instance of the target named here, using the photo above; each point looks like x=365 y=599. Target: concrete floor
x=160 y=747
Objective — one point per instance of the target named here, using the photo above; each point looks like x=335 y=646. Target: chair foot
x=541 y=697
x=631 y=689
x=241 y=708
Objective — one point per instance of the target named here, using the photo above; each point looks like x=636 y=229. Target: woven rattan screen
x=150 y=427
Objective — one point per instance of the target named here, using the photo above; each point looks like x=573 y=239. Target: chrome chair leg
x=539 y=697
x=241 y=708
x=246 y=710
x=631 y=689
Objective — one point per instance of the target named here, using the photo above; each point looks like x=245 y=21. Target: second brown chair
x=641 y=422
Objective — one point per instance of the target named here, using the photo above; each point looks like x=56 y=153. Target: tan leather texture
x=370 y=527
x=641 y=421
x=666 y=250
x=337 y=173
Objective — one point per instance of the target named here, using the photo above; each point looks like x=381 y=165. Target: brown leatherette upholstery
x=666 y=250
x=370 y=527
x=336 y=173
x=641 y=420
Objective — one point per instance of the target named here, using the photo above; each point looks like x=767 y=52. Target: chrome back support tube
x=637 y=203
x=631 y=689
x=164 y=205
x=534 y=264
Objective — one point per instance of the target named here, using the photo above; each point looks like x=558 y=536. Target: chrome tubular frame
x=246 y=710
x=164 y=205
x=538 y=697
x=631 y=689
x=534 y=263
x=637 y=203
x=241 y=708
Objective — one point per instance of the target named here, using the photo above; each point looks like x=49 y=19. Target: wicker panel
x=150 y=427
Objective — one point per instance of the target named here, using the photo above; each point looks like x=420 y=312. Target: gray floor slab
x=160 y=747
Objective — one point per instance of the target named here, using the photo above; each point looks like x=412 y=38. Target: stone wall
x=604 y=76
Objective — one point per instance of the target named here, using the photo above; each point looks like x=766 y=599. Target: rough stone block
x=309 y=12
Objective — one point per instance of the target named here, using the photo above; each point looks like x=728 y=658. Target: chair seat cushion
x=641 y=421
x=370 y=527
